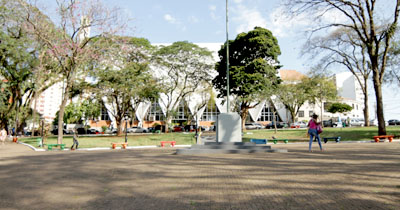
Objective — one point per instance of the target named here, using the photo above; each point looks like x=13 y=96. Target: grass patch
x=346 y=134
x=105 y=141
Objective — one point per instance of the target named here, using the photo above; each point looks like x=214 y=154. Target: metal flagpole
x=227 y=60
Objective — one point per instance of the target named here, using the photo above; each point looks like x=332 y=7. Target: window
x=310 y=113
x=104 y=114
x=210 y=112
x=267 y=114
x=155 y=113
x=301 y=113
x=180 y=115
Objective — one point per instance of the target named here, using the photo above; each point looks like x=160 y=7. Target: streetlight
x=126 y=128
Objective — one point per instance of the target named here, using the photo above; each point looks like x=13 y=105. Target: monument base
x=229 y=127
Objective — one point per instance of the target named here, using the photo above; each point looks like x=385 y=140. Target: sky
x=204 y=21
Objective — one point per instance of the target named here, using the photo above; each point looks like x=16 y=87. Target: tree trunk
x=379 y=104
x=244 y=113
x=34 y=115
x=61 y=116
x=119 y=126
x=366 y=107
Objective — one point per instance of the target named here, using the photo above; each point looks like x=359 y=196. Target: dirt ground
x=345 y=176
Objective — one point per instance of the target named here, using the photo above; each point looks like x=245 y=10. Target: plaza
x=345 y=176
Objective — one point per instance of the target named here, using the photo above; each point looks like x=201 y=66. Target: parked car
x=298 y=125
x=278 y=125
x=178 y=128
x=136 y=129
x=250 y=126
x=374 y=122
x=55 y=131
x=394 y=122
x=357 y=122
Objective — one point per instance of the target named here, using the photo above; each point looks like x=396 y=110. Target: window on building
x=104 y=114
x=182 y=109
x=210 y=112
x=310 y=113
x=154 y=113
x=301 y=114
x=267 y=114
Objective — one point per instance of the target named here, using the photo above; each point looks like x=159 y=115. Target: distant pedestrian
x=75 y=140
x=313 y=125
x=3 y=135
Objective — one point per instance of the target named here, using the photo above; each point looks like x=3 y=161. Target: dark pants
x=76 y=144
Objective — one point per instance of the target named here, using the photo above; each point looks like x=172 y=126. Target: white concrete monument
x=229 y=127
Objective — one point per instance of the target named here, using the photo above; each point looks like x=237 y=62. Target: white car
x=137 y=130
x=357 y=122
x=253 y=126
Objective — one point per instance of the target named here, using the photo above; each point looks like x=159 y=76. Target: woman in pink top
x=312 y=130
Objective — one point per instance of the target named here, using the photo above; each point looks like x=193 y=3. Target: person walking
x=75 y=140
x=3 y=135
x=313 y=131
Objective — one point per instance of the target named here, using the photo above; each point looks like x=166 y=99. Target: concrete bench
x=337 y=139
x=259 y=141
x=123 y=145
x=50 y=146
x=390 y=137
x=167 y=142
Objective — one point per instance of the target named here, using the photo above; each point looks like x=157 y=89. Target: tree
x=293 y=96
x=361 y=18
x=321 y=89
x=342 y=47
x=69 y=43
x=183 y=68
x=253 y=59
x=123 y=77
x=339 y=107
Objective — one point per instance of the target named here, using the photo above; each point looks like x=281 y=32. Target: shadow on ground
x=347 y=176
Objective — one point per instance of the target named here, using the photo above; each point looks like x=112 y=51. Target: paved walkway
x=346 y=176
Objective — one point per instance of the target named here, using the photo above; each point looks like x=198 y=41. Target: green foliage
x=184 y=68
x=75 y=112
x=253 y=59
x=339 y=107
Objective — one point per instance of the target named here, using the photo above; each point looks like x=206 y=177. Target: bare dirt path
x=346 y=176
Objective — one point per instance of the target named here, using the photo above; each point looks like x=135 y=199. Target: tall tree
x=343 y=48
x=293 y=96
x=69 y=43
x=362 y=18
x=321 y=89
x=253 y=59
x=183 y=68
x=123 y=79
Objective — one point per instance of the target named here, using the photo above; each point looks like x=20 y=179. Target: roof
x=291 y=75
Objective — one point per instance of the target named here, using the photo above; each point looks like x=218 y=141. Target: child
x=75 y=140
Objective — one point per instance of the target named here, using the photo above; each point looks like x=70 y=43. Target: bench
x=390 y=137
x=123 y=145
x=50 y=146
x=168 y=142
x=337 y=139
x=284 y=140
x=259 y=141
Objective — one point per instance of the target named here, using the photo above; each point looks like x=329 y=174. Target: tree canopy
x=253 y=59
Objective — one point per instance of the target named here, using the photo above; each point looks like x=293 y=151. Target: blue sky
x=203 y=21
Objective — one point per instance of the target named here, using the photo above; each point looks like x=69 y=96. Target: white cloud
x=170 y=19
x=193 y=19
x=212 y=8
x=248 y=18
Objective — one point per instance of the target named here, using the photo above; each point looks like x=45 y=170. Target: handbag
x=319 y=129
